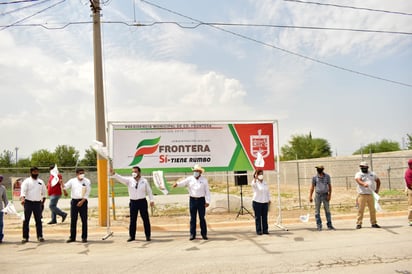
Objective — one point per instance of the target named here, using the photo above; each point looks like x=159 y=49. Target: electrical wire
x=282 y=49
x=348 y=7
x=36 y=13
x=18 y=2
x=194 y=25
x=25 y=7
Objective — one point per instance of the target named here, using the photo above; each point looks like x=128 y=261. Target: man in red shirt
x=54 y=189
x=408 y=181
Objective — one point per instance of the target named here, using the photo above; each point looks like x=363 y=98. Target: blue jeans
x=54 y=209
x=1 y=226
x=319 y=199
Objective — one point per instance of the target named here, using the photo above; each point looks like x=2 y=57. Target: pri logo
x=259 y=144
x=146 y=146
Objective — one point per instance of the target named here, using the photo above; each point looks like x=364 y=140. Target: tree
x=24 y=162
x=305 y=147
x=382 y=146
x=6 y=158
x=89 y=158
x=66 y=156
x=42 y=158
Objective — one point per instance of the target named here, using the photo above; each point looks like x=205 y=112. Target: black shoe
x=205 y=238
x=266 y=232
x=148 y=239
x=40 y=239
x=376 y=226
x=259 y=233
x=319 y=228
x=331 y=228
x=358 y=226
x=192 y=237
x=84 y=240
x=130 y=239
x=52 y=223
x=64 y=218
x=70 y=240
x=24 y=240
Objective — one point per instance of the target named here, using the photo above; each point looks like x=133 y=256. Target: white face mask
x=260 y=177
x=196 y=174
x=134 y=174
x=81 y=176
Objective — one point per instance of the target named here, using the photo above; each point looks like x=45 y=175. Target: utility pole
x=100 y=113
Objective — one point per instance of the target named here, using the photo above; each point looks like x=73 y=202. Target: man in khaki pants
x=368 y=183
x=408 y=182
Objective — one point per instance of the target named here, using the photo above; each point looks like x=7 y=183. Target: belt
x=134 y=200
x=196 y=198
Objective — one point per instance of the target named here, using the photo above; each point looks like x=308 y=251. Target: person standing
x=54 y=189
x=138 y=188
x=261 y=201
x=321 y=184
x=199 y=199
x=32 y=197
x=3 y=204
x=408 y=182
x=368 y=182
x=80 y=190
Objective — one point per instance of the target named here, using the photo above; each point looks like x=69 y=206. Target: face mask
x=260 y=177
x=134 y=174
x=196 y=174
x=364 y=169
x=35 y=176
x=81 y=176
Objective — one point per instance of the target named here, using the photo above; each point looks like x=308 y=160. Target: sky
x=169 y=69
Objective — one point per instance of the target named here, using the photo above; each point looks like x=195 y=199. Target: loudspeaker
x=240 y=178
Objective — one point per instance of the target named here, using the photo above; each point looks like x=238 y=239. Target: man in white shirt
x=80 y=191
x=199 y=199
x=32 y=197
x=138 y=188
x=368 y=183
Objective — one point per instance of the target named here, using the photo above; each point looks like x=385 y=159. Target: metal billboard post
x=279 y=217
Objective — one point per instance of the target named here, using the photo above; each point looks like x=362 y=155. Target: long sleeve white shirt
x=79 y=188
x=137 y=189
x=261 y=193
x=33 y=189
x=197 y=187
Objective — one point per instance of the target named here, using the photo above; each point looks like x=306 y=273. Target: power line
x=18 y=2
x=348 y=7
x=36 y=13
x=25 y=7
x=197 y=24
x=282 y=49
x=193 y=25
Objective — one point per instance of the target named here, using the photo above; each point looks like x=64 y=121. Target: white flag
x=304 y=218
x=376 y=197
x=55 y=173
x=259 y=162
x=159 y=181
x=10 y=209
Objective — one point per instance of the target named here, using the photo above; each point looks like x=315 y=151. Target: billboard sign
x=178 y=146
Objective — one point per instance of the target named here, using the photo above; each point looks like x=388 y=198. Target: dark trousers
x=74 y=212
x=135 y=206
x=261 y=216
x=35 y=208
x=197 y=206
